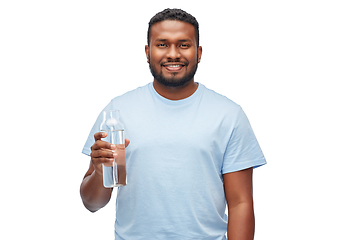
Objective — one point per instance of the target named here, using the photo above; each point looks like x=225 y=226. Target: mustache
x=185 y=63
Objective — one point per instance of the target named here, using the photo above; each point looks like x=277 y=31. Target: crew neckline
x=189 y=99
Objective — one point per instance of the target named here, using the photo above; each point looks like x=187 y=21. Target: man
x=192 y=150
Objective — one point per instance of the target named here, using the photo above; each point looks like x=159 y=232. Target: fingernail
x=112 y=146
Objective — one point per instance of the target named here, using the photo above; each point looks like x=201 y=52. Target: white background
x=292 y=65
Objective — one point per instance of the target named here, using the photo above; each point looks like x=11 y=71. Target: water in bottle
x=114 y=174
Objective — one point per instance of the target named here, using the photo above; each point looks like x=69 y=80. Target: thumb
x=127 y=142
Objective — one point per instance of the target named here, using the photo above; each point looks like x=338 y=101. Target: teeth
x=174 y=66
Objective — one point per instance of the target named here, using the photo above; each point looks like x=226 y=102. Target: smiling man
x=173 y=54
x=192 y=150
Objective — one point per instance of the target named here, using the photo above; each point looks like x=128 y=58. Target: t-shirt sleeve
x=243 y=150
x=96 y=128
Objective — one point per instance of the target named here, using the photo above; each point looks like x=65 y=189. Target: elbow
x=88 y=204
x=87 y=201
x=93 y=195
x=91 y=209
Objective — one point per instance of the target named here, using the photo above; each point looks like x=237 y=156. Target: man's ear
x=199 y=53
x=147 y=49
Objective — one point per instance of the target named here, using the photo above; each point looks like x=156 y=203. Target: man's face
x=172 y=53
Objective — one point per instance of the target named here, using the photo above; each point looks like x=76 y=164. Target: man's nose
x=173 y=52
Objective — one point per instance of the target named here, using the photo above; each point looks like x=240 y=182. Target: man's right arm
x=93 y=194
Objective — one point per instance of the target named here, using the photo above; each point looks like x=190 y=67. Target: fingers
x=102 y=156
x=103 y=153
x=100 y=135
x=101 y=144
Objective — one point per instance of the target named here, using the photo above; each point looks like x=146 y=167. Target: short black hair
x=174 y=14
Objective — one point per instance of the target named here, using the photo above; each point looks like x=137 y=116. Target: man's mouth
x=173 y=66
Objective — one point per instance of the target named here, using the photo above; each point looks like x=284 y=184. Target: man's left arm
x=238 y=192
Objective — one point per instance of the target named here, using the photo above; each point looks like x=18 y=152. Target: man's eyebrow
x=185 y=40
x=164 y=40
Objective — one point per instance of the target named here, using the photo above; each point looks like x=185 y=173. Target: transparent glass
x=114 y=174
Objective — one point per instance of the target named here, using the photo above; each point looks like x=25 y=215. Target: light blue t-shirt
x=177 y=155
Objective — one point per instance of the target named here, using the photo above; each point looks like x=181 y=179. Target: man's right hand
x=102 y=152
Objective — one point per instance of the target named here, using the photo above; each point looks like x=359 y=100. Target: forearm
x=241 y=222
x=94 y=195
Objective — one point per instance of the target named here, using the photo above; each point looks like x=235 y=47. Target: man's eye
x=161 y=45
x=184 y=45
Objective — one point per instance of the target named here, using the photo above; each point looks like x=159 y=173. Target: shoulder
x=131 y=98
x=137 y=93
x=220 y=102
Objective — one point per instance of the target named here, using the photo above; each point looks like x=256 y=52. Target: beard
x=173 y=81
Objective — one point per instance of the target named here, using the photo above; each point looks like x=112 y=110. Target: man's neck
x=176 y=93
